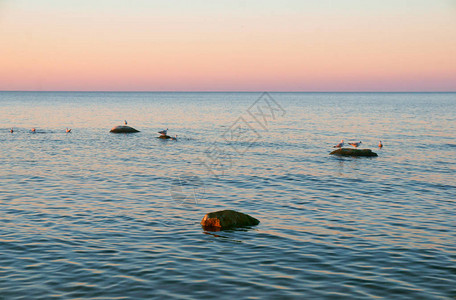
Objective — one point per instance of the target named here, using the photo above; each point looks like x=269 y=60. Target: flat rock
x=227 y=219
x=353 y=152
x=123 y=129
x=164 y=137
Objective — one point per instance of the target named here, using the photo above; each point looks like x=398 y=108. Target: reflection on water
x=96 y=215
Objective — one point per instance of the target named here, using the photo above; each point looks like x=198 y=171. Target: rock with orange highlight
x=165 y=137
x=227 y=219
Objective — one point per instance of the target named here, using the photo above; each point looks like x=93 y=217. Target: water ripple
x=90 y=215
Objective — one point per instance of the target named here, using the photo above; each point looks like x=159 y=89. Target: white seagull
x=340 y=145
x=355 y=144
x=380 y=145
x=163 y=132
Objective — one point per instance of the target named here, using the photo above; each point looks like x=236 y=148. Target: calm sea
x=90 y=214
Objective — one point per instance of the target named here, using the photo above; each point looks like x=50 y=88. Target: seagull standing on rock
x=339 y=145
x=163 y=132
x=355 y=144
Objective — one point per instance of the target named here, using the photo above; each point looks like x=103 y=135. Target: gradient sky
x=228 y=45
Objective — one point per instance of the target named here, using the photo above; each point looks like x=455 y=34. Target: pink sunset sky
x=346 y=45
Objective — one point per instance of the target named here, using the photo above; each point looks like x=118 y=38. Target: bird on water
x=380 y=145
x=34 y=130
x=11 y=130
x=68 y=130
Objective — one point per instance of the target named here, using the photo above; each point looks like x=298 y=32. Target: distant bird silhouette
x=68 y=130
x=11 y=130
x=125 y=122
x=340 y=145
x=33 y=130
x=380 y=145
x=163 y=132
x=355 y=144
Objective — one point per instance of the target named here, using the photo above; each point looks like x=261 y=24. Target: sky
x=228 y=45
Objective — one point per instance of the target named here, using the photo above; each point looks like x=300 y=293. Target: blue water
x=94 y=215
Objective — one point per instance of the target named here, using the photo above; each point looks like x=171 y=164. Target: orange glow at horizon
x=289 y=52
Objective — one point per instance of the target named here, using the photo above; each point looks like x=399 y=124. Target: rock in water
x=164 y=137
x=123 y=129
x=227 y=219
x=353 y=152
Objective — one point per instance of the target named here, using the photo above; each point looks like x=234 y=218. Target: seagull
x=11 y=130
x=33 y=130
x=340 y=145
x=163 y=132
x=68 y=130
x=125 y=122
x=380 y=145
x=355 y=144
x=174 y=138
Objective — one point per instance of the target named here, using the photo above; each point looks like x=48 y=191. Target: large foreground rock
x=123 y=129
x=353 y=152
x=227 y=219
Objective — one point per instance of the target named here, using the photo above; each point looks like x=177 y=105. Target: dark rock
x=353 y=152
x=227 y=219
x=123 y=129
x=164 y=137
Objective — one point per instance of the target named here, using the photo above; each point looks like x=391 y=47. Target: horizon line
x=208 y=91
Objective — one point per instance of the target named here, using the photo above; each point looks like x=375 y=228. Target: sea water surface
x=95 y=215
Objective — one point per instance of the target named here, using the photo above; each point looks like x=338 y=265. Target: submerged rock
x=353 y=152
x=227 y=219
x=123 y=129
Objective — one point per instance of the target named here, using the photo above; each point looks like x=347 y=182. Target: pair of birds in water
x=33 y=130
x=354 y=144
